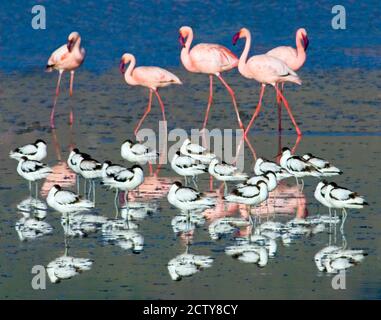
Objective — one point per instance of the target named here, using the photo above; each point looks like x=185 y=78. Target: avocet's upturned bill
x=33 y=151
x=188 y=199
x=32 y=170
x=66 y=201
x=137 y=152
x=322 y=165
x=262 y=166
x=196 y=151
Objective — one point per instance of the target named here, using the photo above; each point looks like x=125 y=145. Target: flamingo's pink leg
x=257 y=109
x=145 y=113
x=251 y=148
x=289 y=112
x=210 y=100
x=55 y=99
x=233 y=98
x=71 y=119
x=161 y=104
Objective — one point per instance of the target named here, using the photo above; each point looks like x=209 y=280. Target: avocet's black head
x=178 y=152
x=40 y=141
x=178 y=184
x=285 y=149
x=76 y=150
x=108 y=162
x=333 y=184
x=24 y=158
x=325 y=182
x=57 y=186
x=128 y=141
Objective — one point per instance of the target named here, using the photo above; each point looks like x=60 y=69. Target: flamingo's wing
x=269 y=65
x=214 y=53
x=58 y=55
x=154 y=75
x=283 y=53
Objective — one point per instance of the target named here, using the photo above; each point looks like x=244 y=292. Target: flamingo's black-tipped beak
x=305 y=42
x=235 y=38
x=182 y=41
x=122 y=66
x=70 y=45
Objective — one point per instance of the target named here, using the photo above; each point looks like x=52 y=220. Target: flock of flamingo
x=275 y=67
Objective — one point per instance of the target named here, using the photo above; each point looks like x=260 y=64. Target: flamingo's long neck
x=245 y=53
x=301 y=52
x=185 y=57
x=128 y=74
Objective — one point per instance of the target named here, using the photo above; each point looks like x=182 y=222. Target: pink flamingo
x=211 y=59
x=150 y=77
x=266 y=70
x=294 y=58
x=68 y=57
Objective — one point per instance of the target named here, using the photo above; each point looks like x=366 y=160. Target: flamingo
x=211 y=59
x=68 y=57
x=150 y=77
x=266 y=70
x=294 y=58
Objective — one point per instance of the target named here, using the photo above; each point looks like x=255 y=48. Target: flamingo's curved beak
x=305 y=41
x=235 y=38
x=122 y=66
x=70 y=45
x=182 y=40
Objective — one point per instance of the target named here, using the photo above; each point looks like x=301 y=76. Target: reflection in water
x=31 y=226
x=184 y=223
x=188 y=264
x=81 y=224
x=138 y=210
x=66 y=267
x=227 y=225
x=123 y=234
x=334 y=258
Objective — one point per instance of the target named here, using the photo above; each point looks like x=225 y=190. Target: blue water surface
x=149 y=29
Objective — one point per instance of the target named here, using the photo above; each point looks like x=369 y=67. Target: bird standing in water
x=68 y=57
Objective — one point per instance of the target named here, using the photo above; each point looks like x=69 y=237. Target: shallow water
x=339 y=114
x=337 y=108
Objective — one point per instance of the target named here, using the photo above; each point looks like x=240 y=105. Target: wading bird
x=211 y=59
x=294 y=58
x=150 y=77
x=66 y=58
x=266 y=70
